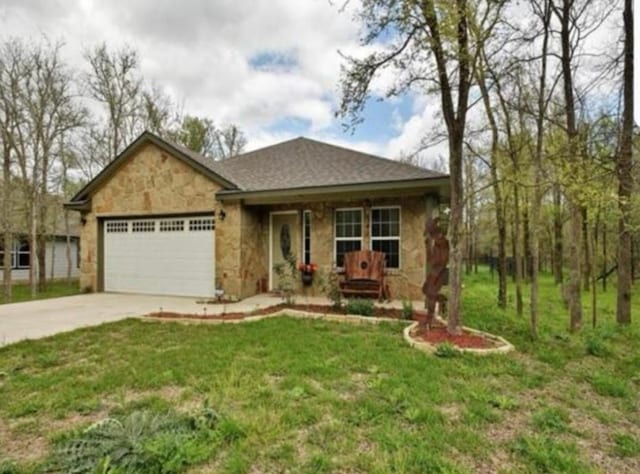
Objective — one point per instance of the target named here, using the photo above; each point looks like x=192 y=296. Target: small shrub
x=551 y=420
x=446 y=350
x=596 y=347
x=626 y=445
x=330 y=287
x=287 y=279
x=407 y=309
x=362 y=306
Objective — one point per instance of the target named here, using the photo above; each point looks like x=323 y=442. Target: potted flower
x=306 y=272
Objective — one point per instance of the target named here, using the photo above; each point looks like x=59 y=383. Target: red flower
x=307 y=267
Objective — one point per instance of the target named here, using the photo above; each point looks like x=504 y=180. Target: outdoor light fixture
x=222 y=214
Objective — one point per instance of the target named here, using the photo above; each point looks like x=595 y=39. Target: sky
x=269 y=66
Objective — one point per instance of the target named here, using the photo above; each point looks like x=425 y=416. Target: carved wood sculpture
x=364 y=274
x=437 y=258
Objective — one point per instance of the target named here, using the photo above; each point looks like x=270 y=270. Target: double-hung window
x=385 y=233
x=348 y=233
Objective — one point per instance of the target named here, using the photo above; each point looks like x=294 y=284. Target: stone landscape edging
x=505 y=346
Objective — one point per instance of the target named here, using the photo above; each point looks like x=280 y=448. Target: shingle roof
x=302 y=162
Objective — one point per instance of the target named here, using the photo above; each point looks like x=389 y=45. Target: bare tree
x=115 y=83
x=432 y=47
x=625 y=177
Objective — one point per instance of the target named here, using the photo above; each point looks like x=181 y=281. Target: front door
x=284 y=242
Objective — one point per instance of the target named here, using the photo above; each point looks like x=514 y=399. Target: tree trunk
x=575 y=279
x=42 y=259
x=604 y=256
x=558 y=246
x=7 y=235
x=517 y=258
x=625 y=180
x=526 y=263
x=586 y=253
x=455 y=233
x=575 y=216
x=537 y=177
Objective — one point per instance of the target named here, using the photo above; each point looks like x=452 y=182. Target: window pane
x=385 y=222
x=349 y=223
x=344 y=246
x=391 y=248
x=307 y=237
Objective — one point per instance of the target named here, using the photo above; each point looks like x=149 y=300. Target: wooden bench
x=364 y=272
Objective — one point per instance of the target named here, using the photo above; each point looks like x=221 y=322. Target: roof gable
x=302 y=163
x=198 y=162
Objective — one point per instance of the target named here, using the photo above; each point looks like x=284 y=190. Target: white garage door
x=168 y=256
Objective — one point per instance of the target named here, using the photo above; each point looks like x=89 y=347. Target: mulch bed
x=438 y=334
x=435 y=335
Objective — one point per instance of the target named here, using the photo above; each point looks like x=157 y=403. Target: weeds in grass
x=8 y=467
x=545 y=454
x=552 y=419
x=446 y=350
x=504 y=402
x=608 y=385
x=626 y=445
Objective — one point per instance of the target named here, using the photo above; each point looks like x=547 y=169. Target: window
x=201 y=224
x=23 y=255
x=172 y=226
x=385 y=233
x=143 y=226
x=306 y=237
x=348 y=232
x=20 y=255
x=117 y=226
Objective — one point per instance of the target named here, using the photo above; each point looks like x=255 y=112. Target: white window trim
x=398 y=238
x=336 y=238
x=305 y=213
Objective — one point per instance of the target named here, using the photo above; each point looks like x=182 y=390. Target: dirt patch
x=437 y=334
x=309 y=308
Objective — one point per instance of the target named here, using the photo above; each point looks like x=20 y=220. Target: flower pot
x=307 y=278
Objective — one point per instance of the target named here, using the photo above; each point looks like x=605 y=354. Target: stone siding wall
x=405 y=282
x=153 y=182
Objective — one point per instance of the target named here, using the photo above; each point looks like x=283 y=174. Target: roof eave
x=82 y=205
x=438 y=185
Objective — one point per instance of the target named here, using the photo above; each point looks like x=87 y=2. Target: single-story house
x=161 y=219
x=57 y=264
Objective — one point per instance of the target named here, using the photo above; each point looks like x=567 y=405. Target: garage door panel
x=175 y=262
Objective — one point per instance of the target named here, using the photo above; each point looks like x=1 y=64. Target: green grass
x=22 y=292
x=314 y=396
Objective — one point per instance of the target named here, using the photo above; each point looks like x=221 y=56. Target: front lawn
x=313 y=396
x=22 y=292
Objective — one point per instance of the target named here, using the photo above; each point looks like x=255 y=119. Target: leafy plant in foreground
x=142 y=442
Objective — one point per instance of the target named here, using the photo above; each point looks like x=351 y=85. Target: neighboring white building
x=56 y=254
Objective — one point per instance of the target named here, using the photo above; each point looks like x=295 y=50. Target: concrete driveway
x=35 y=319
